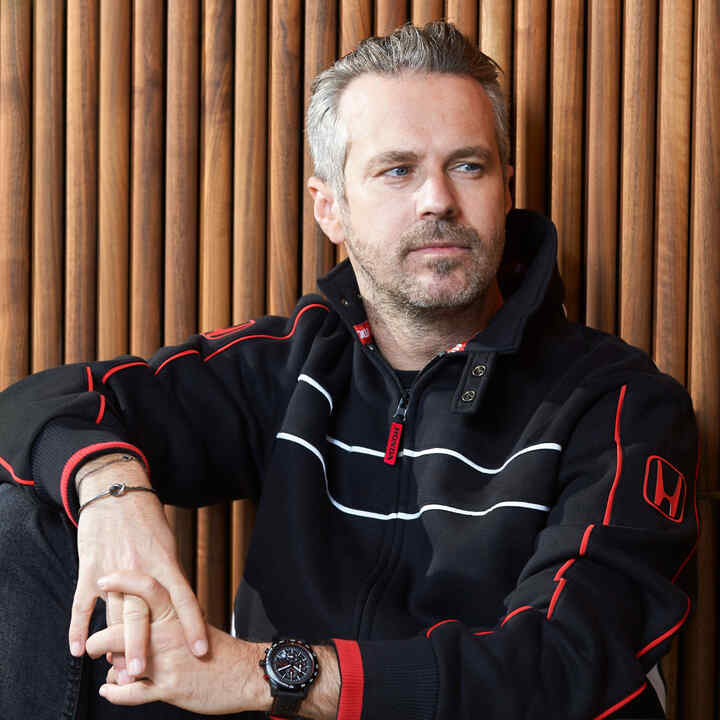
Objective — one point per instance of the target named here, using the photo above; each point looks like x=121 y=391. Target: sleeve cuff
x=59 y=454
x=387 y=679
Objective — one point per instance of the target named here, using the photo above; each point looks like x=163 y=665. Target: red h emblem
x=665 y=488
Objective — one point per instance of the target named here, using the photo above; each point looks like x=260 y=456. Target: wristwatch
x=291 y=667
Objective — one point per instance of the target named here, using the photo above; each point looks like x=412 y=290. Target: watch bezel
x=270 y=671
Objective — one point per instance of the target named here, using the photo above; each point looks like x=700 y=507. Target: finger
x=83 y=604
x=132 y=582
x=114 y=608
x=190 y=615
x=110 y=639
x=141 y=691
x=136 y=622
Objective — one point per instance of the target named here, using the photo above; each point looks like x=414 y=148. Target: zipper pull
x=396 y=429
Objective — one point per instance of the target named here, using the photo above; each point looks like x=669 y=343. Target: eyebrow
x=399 y=157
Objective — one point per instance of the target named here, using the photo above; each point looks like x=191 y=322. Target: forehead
x=416 y=112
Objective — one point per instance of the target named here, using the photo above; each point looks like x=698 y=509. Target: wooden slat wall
x=153 y=184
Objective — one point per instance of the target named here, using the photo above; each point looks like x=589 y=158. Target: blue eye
x=401 y=171
x=470 y=167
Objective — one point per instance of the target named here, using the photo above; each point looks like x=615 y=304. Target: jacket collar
x=528 y=279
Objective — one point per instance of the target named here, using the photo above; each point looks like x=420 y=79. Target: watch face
x=292 y=664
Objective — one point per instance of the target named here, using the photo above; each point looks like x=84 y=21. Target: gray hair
x=439 y=47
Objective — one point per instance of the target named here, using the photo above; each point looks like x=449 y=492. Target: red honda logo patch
x=363 y=332
x=665 y=488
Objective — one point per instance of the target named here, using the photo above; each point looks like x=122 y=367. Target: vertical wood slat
x=602 y=162
x=355 y=25
x=465 y=16
x=181 y=209
x=496 y=38
x=47 y=183
x=15 y=161
x=637 y=180
x=530 y=105
x=673 y=180
x=215 y=264
x=146 y=205
x=284 y=155
x=700 y=676
x=249 y=247
x=566 y=132
x=113 y=178
x=425 y=11
x=389 y=14
x=81 y=180
x=320 y=42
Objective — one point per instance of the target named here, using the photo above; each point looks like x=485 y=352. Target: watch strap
x=285 y=704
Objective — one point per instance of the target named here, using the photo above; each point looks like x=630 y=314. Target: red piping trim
x=101 y=411
x=17 y=479
x=90 y=378
x=666 y=634
x=352 y=677
x=515 y=612
x=618 y=446
x=117 y=368
x=81 y=454
x=484 y=632
x=438 y=624
x=267 y=337
x=174 y=357
x=586 y=540
x=560 y=580
x=697 y=520
x=624 y=701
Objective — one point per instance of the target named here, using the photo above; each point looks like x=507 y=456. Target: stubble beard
x=404 y=293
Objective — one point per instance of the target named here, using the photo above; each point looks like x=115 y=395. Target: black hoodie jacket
x=500 y=540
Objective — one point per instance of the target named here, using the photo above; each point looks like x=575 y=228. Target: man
x=467 y=506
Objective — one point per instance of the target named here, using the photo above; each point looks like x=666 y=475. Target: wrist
x=96 y=475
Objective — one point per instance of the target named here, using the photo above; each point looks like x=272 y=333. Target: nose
x=436 y=198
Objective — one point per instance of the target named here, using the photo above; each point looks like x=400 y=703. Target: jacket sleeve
x=193 y=414
x=597 y=603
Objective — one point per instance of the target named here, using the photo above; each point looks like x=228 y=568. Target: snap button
x=468 y=396
x=479 y=370
x=344 y=301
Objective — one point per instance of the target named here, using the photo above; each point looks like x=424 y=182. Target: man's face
x=423 y=217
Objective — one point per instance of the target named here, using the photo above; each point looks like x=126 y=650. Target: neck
x=409 y=340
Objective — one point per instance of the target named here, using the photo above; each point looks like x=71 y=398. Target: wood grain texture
x=114 y=178
x=48 y=187
x=284 y=156
x=81 y=173
x=673 y=181
x=181 y=169
x=567 y=54
x=601 y=214
x=181 y=210
x=389 y=14
x=249 y=202
x=250 y=168
x=216 y=88
x=464 y=14
x=318 y=253
x=531 y=105
x=148 y=177
x=637 y=176
x=496 y=37
x=15 y=164
x=700 y=672
x=355 y=23
x=425 y=11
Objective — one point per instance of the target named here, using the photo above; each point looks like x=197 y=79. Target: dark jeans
x=39 y=679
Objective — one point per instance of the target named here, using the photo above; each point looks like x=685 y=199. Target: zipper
x=396 y=429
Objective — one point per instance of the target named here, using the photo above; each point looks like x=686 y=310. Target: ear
x=326 y=210
x=509 y=172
